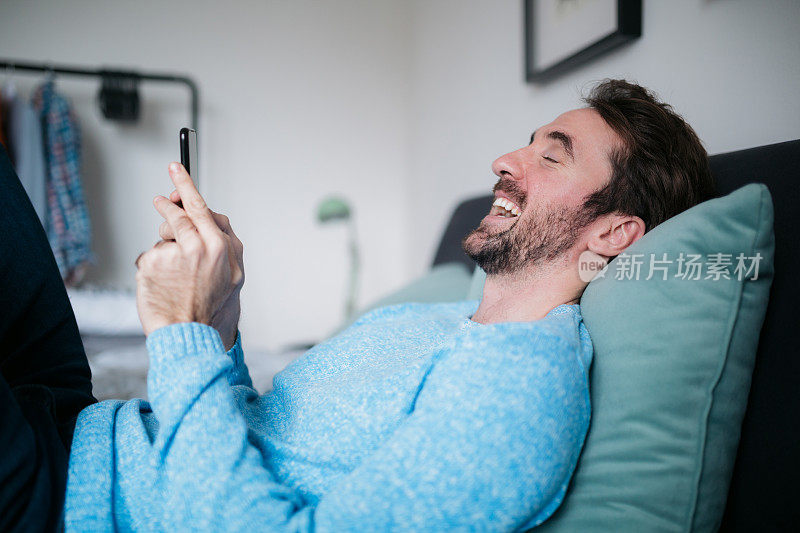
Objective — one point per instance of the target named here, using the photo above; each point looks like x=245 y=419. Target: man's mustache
x=512 y=190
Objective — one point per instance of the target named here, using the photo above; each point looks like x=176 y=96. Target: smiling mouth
x=504 y=207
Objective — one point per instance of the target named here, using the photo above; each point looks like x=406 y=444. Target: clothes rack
x=105 y=73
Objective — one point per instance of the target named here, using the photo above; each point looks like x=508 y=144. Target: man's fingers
x=147 y=255
x=223 y=222
x=165 y=232
x=183 y=230
x=193 y=203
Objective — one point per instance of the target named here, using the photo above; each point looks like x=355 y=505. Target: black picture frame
x=629 y=28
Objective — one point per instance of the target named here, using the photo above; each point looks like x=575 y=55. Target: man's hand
x=226 y=321
x=190 y=278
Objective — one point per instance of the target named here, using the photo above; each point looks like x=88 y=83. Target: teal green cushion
x=448 y=282
x=671 y=373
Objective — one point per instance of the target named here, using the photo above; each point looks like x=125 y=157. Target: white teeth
x=508 y=205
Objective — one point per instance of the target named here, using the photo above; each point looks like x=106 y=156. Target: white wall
x=732 y=68
x=300 y=99
x=401 y=105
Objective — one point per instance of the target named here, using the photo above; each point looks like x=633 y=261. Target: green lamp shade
x=333 y=208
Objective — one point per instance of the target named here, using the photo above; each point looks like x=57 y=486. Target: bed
x=115 y=346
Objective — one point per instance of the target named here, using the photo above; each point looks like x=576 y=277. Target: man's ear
x=614 y=233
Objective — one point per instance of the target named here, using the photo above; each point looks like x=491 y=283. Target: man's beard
x=542 y=236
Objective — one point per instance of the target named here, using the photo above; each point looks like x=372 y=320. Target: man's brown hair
x=662 y=167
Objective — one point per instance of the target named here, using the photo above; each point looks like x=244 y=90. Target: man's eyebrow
x=565 y=140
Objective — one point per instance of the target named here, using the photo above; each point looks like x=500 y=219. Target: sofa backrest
x=764 y=489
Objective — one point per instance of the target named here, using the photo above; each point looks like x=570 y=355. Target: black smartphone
x=188 y=142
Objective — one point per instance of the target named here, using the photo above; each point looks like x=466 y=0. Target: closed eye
x=548 y=158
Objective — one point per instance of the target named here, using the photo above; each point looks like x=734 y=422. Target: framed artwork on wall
x=563 y=34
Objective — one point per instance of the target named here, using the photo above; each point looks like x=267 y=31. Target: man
x=418 y=417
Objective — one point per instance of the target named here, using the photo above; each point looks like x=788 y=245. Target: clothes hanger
x=50 y=73
x=9 y=87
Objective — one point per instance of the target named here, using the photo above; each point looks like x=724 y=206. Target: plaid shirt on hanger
x=68 y=228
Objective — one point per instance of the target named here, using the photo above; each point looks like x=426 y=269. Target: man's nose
x=509 y=166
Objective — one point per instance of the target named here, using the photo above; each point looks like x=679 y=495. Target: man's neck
x=527 y=296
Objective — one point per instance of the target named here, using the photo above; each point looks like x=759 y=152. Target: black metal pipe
x=100 y=72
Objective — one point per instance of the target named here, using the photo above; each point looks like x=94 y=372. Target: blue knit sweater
x=414 y=418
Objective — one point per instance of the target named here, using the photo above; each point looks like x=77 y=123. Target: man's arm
x=490 y=445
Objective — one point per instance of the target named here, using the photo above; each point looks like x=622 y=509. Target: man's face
x=538 y=211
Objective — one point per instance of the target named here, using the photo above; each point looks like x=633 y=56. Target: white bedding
x=114 y=343
x=105 y=311
x=119 y=366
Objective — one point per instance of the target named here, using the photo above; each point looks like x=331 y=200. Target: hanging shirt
x=25 y=146
x=67 y=226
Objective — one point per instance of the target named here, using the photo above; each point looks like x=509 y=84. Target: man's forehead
x=584 y=126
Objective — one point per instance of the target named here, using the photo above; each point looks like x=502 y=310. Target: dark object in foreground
x=44 y=374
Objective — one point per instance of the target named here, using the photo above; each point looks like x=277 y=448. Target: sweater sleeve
x=238 y=374
x=490 y=444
